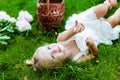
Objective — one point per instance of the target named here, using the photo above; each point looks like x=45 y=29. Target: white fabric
x=97 y=29
x=80 y=54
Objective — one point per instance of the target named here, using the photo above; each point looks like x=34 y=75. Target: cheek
x=59 y=56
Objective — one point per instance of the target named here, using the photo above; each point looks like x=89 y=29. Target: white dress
x=97 y=29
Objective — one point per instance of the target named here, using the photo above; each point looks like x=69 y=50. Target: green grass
x=106 y=66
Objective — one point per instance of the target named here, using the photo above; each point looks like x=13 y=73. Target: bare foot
x=110 y=3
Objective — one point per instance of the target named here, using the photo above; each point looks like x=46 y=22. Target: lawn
x=22 y=45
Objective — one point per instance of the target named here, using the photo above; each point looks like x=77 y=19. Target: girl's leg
x=114 y=19
x=93 y=51
x=101 y=9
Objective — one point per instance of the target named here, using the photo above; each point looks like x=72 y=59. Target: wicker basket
x=50 y=13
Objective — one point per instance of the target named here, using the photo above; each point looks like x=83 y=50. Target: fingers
x=75 y=27
x=82 y=27
x=89 y=42
x=79 y=27
x=76 y=23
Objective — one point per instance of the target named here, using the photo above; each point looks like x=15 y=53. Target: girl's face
x=51 y=55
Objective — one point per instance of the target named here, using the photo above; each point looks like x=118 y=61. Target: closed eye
x=49 y=48
x=52 y=56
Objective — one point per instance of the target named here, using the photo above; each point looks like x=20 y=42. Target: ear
x=34 y=59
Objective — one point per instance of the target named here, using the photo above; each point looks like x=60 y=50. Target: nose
x=55 y=49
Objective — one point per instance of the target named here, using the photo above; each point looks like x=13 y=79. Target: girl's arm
x=85 y=58
x=93 y=51
x=93 y=48
x=70 y=32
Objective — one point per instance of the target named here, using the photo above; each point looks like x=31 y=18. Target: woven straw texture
x=50 y=14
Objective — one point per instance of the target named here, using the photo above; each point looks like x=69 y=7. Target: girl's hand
x=89 y=42
x=79 y=27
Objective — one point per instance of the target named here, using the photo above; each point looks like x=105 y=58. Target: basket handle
x=47 y=4
x=48 y=7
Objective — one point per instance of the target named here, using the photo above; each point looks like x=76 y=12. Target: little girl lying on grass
x=79 y=41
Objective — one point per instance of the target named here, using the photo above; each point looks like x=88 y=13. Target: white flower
x=7 y=17
x=4 y=15
x=25 y=15
x=23 y=25
x=12 y=19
